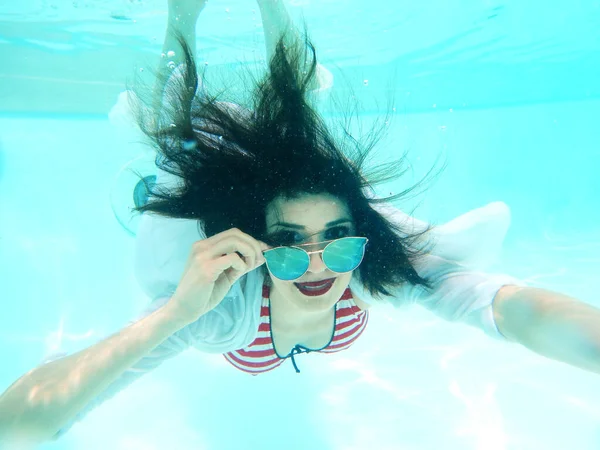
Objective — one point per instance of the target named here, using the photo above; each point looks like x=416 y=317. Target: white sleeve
x=162 y=248
x=459 y=293
x=463 y=289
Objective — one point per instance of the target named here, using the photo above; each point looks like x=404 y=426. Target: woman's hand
x=213 y=266
x=185 y=11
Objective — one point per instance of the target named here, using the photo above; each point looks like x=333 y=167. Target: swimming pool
x=508 y=93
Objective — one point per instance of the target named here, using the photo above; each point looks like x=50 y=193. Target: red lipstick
x=315 y=288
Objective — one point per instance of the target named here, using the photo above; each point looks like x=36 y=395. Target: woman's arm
x=181 y=24
x=548 y=323
x=183 y=15
x=551 y=324
x=277 y=23
x=45 y=399
x=182 y=19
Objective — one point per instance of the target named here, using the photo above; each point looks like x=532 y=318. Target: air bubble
x=189 y=144
x=366 y=82
x=171 y=65
x=170 y=53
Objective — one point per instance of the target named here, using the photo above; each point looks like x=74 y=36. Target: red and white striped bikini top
x=260 y=355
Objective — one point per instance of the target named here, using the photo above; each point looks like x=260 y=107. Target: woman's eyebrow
x=301 y=227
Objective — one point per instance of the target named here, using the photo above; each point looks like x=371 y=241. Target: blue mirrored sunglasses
x=340 y=256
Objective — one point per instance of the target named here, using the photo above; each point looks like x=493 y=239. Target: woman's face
x=310 y=219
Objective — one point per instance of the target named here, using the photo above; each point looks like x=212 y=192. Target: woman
x=236 y=189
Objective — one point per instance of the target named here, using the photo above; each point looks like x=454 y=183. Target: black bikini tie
x=296 y=351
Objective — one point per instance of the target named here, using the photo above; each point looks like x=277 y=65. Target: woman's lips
x=315 y=283
x=314 y=288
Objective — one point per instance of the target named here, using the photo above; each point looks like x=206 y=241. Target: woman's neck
x=285 y=315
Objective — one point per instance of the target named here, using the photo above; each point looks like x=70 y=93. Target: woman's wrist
x=174 y=319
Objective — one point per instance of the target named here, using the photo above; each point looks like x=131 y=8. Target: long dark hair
x=234 y=160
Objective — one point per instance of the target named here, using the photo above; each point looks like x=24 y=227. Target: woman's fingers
x=213 y=266
x=234 y=262
x=235 y=241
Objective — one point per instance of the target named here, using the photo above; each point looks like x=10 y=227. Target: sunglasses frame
x=309 y=253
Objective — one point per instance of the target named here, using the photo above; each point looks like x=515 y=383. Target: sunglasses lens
x=287 y=263
x=345 y=254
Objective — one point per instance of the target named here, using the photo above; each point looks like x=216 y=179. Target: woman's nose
x=316 y=263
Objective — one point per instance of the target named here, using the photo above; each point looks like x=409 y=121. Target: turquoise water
x=507 y=93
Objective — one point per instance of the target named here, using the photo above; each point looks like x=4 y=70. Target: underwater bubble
x=163 y=55
x=189 y=144
x=170 y=53
x=366 y=82
x=173 y=125
x=141 y=69
x=171 y=65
